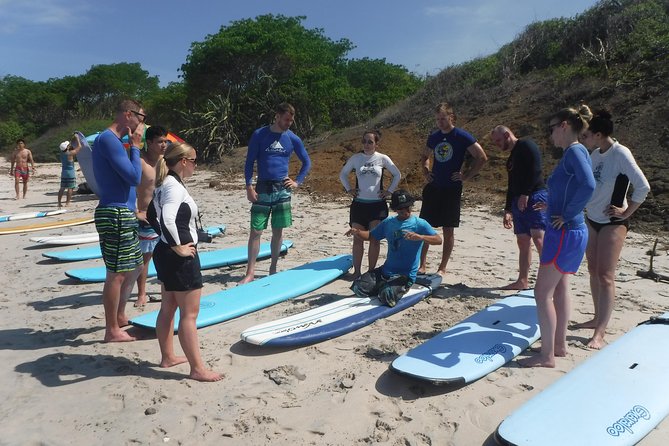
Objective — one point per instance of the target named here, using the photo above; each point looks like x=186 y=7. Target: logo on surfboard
x=487 y=356
x=628 y=420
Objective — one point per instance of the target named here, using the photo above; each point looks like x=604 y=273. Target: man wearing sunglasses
x=118 y=172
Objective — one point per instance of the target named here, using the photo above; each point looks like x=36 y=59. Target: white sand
x=61 y=385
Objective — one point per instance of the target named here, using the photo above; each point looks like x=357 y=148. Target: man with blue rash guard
x=271 y=148
x=118 y=172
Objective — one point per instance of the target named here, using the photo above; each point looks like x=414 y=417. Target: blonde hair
x=577 y=119
x=175 y=152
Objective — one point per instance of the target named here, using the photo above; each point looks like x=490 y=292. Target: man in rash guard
x=271 y=148
x=118 y=171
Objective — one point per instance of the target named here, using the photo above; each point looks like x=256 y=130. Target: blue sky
x=42 y=39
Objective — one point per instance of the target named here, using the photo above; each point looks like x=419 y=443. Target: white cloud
x=16 y=15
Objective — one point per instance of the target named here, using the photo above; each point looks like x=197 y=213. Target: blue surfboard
x=616 y=397
x=334 y=319
x=93 y=252
x=261 y=293
x=476 y=346
x=29 y=215
x=85 y=160
x=208 y=260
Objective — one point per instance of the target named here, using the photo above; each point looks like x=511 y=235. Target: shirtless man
x=156 y=144
x=19 y=166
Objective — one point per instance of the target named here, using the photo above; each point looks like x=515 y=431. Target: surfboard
x=29 y=215
x=476 y=346
x=335 y=319
x=616 y=397
x=45 y=226
x=208 y=260
x=94 y=252
x=85 y=160
x=243 y=299
x=65 y=240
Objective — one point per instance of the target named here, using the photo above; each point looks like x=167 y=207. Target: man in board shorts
x=271 y=147
x=118 y=172
x=526 y=188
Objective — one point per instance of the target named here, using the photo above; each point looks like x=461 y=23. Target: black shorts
x=175 y=272
x=441 y=207
x=363 y=213
x=598 y=226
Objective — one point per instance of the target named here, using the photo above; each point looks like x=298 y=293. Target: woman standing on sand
x=369 y=205
x=176 y=259
x=569 y=189
x=608 y=214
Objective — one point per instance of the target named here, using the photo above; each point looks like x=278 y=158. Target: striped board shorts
x=119 y=242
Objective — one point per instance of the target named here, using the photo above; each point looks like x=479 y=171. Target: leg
x=129 y=279
x=524 y=242
x=611 y=240
x=591 y=255
x=165 y=330
x=25 y=186
x=141 y=280
x=275 y=245
x=449 y=242
x=69 y=197
x=374 y=247
x=547 y=281
x=253 y=250
x=60 y=197
x=538 y=239
x=16 y=186
x=562 y=312
x=111 y=295
x=422 y=268
x=189 y=307
x=358 y=252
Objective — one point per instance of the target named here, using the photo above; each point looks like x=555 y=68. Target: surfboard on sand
x=46 y=226
x=243 y=299
x=65 y=240
x=85 y=160
x=29 y=215
x=208 y=260
x=94 y=252
x=334 y=319
x=476 y=346
x=616 y=397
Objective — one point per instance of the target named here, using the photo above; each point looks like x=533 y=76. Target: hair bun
x=585 y=112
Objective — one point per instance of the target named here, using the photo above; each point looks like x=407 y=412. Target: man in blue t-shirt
x=448 y=146
x=405 y=235
x=271 y=148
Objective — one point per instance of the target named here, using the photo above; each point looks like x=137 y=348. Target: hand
x=615 y=212
x=522 y=202
x=251 y=194
x=557 y=222
x=384 y=194
x=290 y=184
x=428 y=175
x=187 y=250
x=457 y=176
x=141 y=216
x=540 y=206
x=412 y=236
x=352 y=232
x=508 y=220
x=135 y=138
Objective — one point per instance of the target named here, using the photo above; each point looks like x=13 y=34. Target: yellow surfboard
x=45 y=226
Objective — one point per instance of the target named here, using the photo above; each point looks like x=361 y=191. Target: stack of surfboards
x=40 y=226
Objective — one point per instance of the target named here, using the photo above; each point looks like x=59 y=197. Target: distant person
x=406 y=235
x=271 y=147
x=177 y=261
x=118 y=172
x=525 y=189
x=68 y=175
x=608 y=214
x=369 y=205
x=448 y=147
x=570 y=186
x=19 y=166
x=156 y=144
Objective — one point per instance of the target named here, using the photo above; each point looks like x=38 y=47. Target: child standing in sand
x=68 y=176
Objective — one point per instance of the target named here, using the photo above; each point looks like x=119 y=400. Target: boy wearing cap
x=405 y=234
x=68 y=176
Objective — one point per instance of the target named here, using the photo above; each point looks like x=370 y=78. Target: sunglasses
x=141 y=115
x=192 y=160
x=552 y=127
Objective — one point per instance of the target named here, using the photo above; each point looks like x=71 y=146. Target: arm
x=395 y=172
x=578 y=162
x=429 y=239
x=638 y=181
x=76 y=146
x=359 y=233
x=303 y=156
x=30 y=160
x=425 y=161
x=480 y=158
x=145 y=190
x=251 y=157
x=343 y=176
x=171 y=200
x=11 y=166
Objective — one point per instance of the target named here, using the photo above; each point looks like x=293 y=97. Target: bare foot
x=596 y=343
x=517 y=285
x=120 y=336
x=351 y=276
x=246 y=279
x=141 y=301
x=560 y=352
x=588 y=324
x=536 y=361
x=206 y=376
x=171 y=362
x=123 y=322
x=422 y=270
x=442 y=272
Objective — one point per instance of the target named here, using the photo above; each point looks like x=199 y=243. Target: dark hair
x=154 y=132
x=577 y=119
x=285 y=107
x=20 y=140
x=375 y=132
x=601 y=123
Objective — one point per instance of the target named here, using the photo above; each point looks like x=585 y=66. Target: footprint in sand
x=487 y=401
x=285 y=374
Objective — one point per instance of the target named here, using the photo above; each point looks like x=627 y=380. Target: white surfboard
x=476 y=346
x=29 y=215
x=66 y=240
x=85 y=160
x=616 y=397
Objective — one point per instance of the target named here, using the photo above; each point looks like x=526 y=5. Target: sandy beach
x=62 y=385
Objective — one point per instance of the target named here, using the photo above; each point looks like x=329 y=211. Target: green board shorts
x=119 y=241
x=273 y=200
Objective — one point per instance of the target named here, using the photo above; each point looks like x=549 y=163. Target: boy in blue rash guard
x=118 y=172
x=271 y=148
x=406 y=235
x=570 y=186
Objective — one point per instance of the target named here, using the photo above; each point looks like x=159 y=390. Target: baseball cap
x=64 y=145
x=401 y=199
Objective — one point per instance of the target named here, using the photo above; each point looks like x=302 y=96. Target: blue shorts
x=565 y=248
x=148 y=238
x=274 y=200
x=524 y=222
